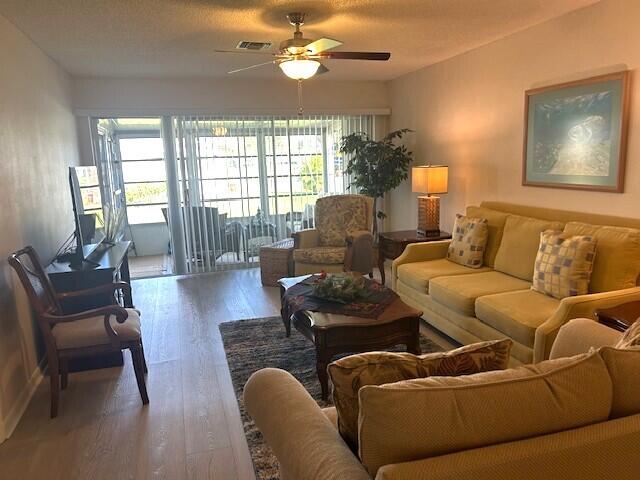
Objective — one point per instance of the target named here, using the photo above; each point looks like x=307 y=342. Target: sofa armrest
x=306 y=443
x=581 y=306
x=580 y=335
x=306 y=238
x=420 y=252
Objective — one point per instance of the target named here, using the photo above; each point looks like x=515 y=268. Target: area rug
x=259 y=343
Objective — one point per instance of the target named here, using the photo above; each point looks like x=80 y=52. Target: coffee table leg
x=322 y=362
x=413 y=345
x=286 y=319
x=381 y=264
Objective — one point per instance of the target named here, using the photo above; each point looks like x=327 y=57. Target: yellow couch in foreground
x=496 y=301
x=306 y=441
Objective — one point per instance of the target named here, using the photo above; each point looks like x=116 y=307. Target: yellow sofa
x=306 y=441
x=496 y=301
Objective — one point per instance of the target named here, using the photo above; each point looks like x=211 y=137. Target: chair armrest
x=107 y=311
x=306 y=238
x=580 y=335
x=581 y=306
x=304 y=440
x=107 y=288
x=419 y=252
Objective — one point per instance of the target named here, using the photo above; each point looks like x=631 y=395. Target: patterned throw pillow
x=564 y=264
x=631 y=337
x=468 y=241
x=351 y=373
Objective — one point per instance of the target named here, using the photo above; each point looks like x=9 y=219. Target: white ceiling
x=149 y=38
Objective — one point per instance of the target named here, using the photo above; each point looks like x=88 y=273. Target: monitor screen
x=87 y=205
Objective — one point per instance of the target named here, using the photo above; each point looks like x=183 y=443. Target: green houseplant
x=376 y=167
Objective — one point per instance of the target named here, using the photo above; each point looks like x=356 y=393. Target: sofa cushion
x=624 y=370
x=516 y=314
x=468 y=241
x=418 y=274
x=460 y=292
x=351 y=373
x=617 y=263
x=519 y=246
x=564 y=263
x=416 y=419
x=320 y=255
x=495 y=223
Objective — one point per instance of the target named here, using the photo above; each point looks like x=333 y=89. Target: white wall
x=468 y=111
x=136 y=96
x=37 y=143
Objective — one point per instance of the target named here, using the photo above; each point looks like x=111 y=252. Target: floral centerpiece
x=340 y=287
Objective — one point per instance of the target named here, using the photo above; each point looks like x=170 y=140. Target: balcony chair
x=93 y=332
x=341 y=240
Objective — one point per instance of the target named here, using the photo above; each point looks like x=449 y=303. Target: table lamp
x=429 y=179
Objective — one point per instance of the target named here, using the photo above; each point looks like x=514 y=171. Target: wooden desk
x=392 y=244
x=112 y=265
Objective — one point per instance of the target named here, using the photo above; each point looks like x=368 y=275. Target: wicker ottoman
x=276 y=261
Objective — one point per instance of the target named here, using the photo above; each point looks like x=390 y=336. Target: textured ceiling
x=174 y=38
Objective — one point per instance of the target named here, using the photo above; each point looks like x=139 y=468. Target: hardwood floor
x=191 y=428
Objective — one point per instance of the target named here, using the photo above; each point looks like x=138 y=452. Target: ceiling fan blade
x=322 y=44
x=322 y=69
x=356 y=55
x=252 y=66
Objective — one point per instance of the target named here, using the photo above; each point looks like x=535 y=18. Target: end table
x=619 y=318
x=392 y=244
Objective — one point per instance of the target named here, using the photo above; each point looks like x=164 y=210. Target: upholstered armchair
x=341 y=240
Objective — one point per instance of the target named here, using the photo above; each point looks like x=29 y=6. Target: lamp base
x=428 y=216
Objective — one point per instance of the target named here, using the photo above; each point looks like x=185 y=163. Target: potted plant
x=376 y=167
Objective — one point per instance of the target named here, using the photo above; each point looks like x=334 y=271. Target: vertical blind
x=246 y=181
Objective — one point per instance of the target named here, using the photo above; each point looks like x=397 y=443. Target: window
x=144 y=177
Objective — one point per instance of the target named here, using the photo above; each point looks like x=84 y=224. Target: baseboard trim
x=20 y=406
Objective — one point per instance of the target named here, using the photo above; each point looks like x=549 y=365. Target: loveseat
x=306 y=441
x=496 y=300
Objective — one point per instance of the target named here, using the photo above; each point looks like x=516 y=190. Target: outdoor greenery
x=312 y=174
x=376 y=167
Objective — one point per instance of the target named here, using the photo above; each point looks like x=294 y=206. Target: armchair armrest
x=306 y=443
x=107 y=311
x=306 y=238
x=581 y=306
x=108 y=288
x=420 y=252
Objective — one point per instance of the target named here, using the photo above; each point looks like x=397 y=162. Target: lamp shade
x=430 y=179
x=299 y=69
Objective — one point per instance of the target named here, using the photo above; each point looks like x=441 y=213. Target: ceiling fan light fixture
x=299 y=69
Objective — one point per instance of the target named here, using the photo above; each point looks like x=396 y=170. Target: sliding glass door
x=241 y=182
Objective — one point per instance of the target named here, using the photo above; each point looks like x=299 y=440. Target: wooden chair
x=92 y=332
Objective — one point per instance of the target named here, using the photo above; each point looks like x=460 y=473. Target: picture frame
x=575 y=134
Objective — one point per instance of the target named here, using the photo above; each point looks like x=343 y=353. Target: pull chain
x=300 y=109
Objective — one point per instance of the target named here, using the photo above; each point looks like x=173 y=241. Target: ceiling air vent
x=244 y=45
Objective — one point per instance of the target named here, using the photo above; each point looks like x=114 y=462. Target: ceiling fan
x=299 y=58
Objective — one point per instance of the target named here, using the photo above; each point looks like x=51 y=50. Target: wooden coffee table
x=334 y=334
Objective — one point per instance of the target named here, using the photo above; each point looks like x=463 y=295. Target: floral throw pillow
x=631 y=337
x=351 y=373
x=468 y=241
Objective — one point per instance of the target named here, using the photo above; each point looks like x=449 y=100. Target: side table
x=392 y=244
x=619 y=318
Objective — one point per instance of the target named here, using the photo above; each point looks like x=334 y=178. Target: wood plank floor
x=190 y=430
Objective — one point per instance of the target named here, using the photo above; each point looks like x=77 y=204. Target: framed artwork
x=575 y=134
